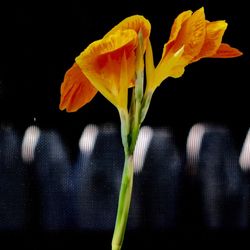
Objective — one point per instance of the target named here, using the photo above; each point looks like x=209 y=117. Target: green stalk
x=145 y=104
x=135 y=126
x=130 y=126
x=124 y=203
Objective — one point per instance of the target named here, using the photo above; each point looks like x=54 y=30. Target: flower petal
x=176 y=27
x=101 y=62
x=214 y=34
x=192 y=35
x=76 y=90
x=124 y=82
x=136 y=23
x=172 y=66
x=226 y=51
x=185 y=43
x=150 y=68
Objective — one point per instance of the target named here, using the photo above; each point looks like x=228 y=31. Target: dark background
x=39 y=41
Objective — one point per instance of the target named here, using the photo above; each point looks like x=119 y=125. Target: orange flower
x=192 y=38
x=107 y=65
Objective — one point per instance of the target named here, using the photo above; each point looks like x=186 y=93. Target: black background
x=39 y=41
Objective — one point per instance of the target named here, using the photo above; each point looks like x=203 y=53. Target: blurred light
x=194 y=141
x=88 y=139
x=244 y=159
x=141 y=147
x=30 y=140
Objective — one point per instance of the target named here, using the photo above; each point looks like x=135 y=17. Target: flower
x=192 y=38
x=107 y=65
x=116 y=62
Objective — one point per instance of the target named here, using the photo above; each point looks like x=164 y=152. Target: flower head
x=107 y=65
x=192 y=38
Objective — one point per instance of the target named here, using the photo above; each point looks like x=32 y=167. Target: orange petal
x=226 y=51
x=136 y=23
x=76 y=90
x=113 y=44
x=186 y=41
x=176 y=27
x=101 y=62
x=214 y=33
x=104 y=56
x=192 y=35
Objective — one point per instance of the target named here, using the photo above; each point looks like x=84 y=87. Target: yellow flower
x=192 y=38
x=107 y=65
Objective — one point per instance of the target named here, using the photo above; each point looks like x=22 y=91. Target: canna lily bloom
x=192 y=38
x=107 y=65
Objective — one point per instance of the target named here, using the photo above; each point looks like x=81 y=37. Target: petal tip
x=61 y=107
x=201 y=10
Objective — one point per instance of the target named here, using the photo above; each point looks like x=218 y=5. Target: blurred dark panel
x=97 y=182
x=221 y=180
x=158 y=185
x=52 y=185
x=14 y=196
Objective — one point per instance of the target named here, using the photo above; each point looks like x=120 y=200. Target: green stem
x=135 y=127
x=124 y=129
x=124 y=203
x=145 y=104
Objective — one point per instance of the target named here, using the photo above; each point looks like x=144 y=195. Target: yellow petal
x=76 y=90
x=150 y=68
x=172 y=66
x=124 y=84
x=177 y=71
